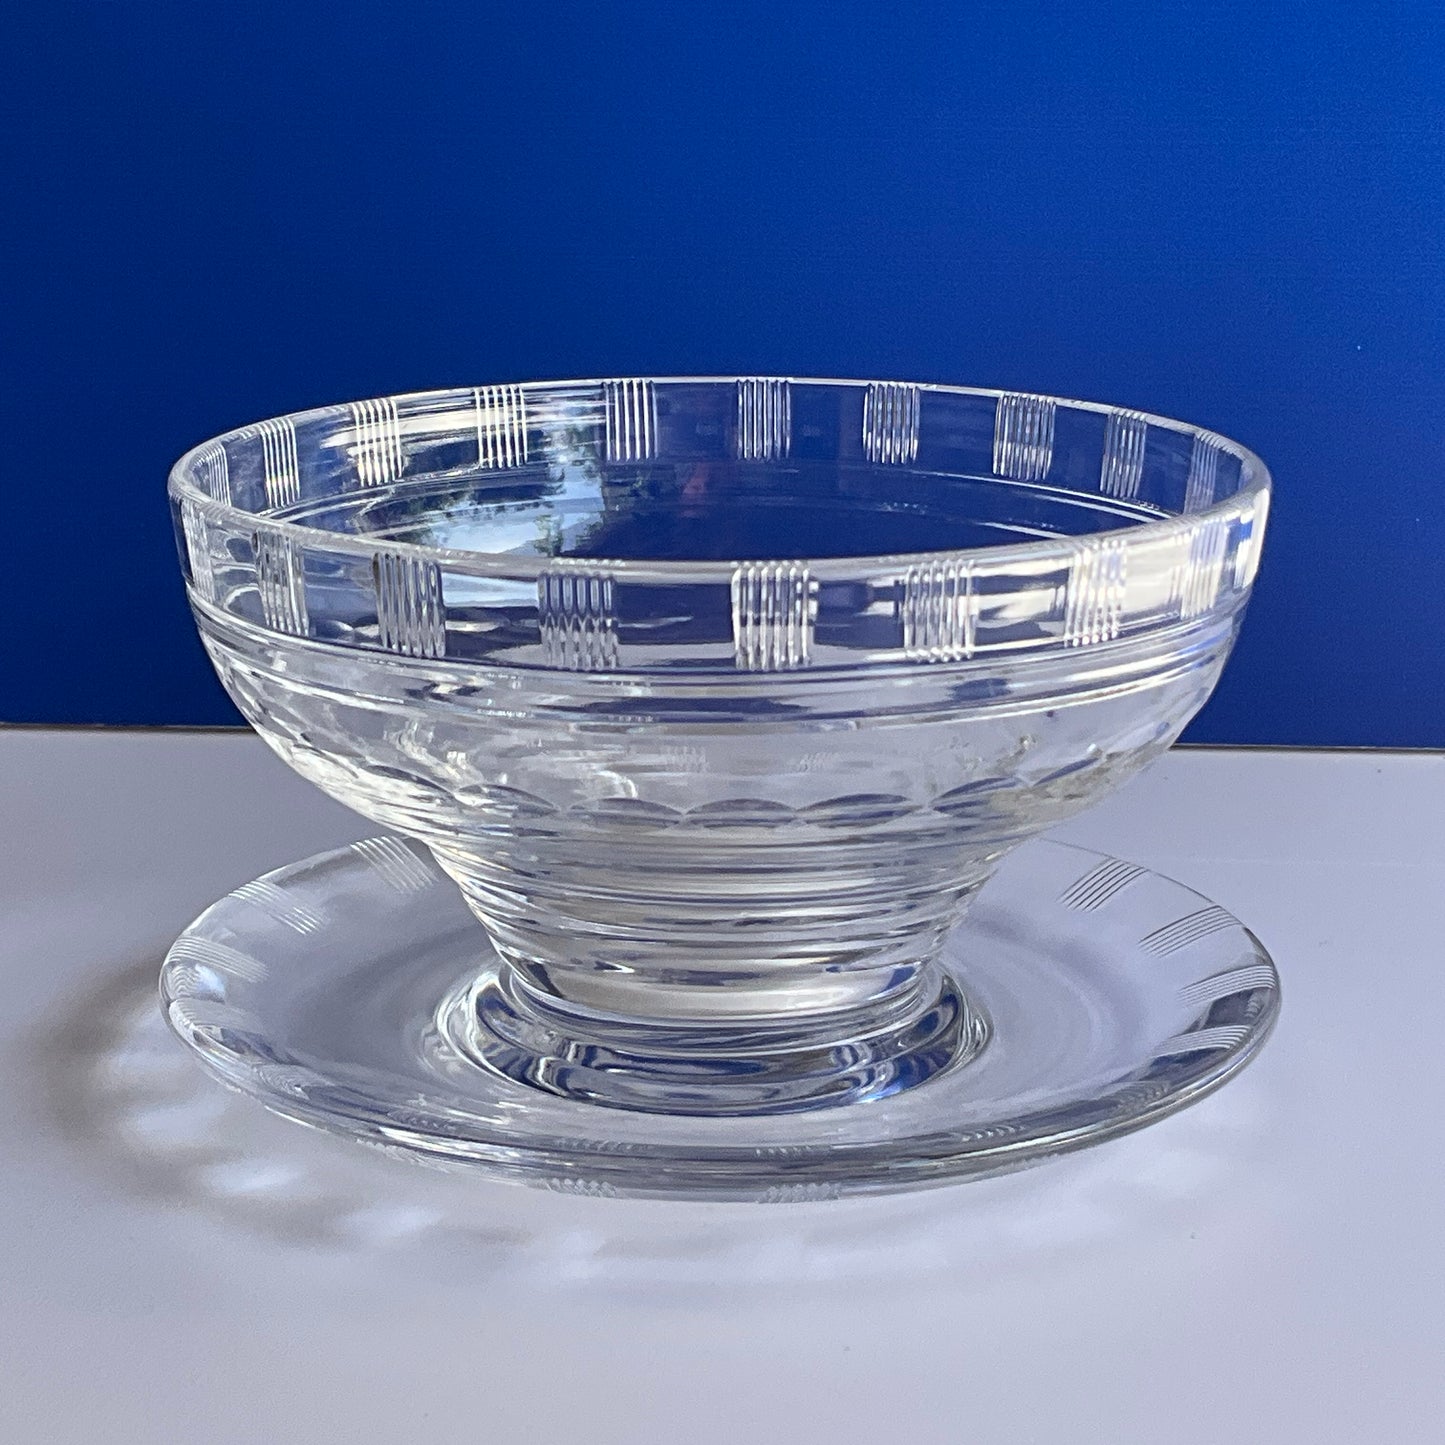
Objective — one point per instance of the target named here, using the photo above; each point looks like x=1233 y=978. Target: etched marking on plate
x=221 y=958
x=800 y=1193
x=1183 y=932
x=591 y=1188
x=1224 y=1036
x=191 y=1015
x=1102 y=882
x=279 y=905
x=1133 y=1097
x=294 y=1079
x=1232 y=981
x=401 y=868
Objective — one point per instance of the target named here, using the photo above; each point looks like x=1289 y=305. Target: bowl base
x=779 y=1065
x=343 y=992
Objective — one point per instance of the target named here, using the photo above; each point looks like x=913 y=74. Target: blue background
x=1234 y=215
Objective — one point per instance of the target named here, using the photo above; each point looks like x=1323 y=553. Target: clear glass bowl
x=719 y=699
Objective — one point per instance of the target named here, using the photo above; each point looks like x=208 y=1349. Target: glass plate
x=339 y=992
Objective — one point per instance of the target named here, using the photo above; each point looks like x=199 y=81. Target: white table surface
x=178 y=1265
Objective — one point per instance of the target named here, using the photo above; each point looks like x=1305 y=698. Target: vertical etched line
x=1122 y=469
x=376 y=449
x=213 y=471
x=644 y=411
x=577 y=619
x=939 y=612
x=765 y=419
x=1094 y=595
x=1203 y=478
x=501 y=413
x=1198 y=580
x=280 y=584
x=410 y=615
x=774 y=612
x=890 y=422
x=630 y=416
x=279 y=468
x=1023 y=437
x=197 y=533
x=1180 y=546
x=1246 y=556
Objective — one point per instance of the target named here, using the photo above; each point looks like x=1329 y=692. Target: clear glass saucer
x=343 y=991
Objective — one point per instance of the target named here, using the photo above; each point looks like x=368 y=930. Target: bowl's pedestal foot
x=787 y=1061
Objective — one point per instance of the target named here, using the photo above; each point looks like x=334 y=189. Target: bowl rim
x=1256 y=485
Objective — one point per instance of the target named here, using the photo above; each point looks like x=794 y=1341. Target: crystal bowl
x=718 y=699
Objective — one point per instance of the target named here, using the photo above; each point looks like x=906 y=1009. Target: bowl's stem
x=766 y=1065
x=756 y=996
